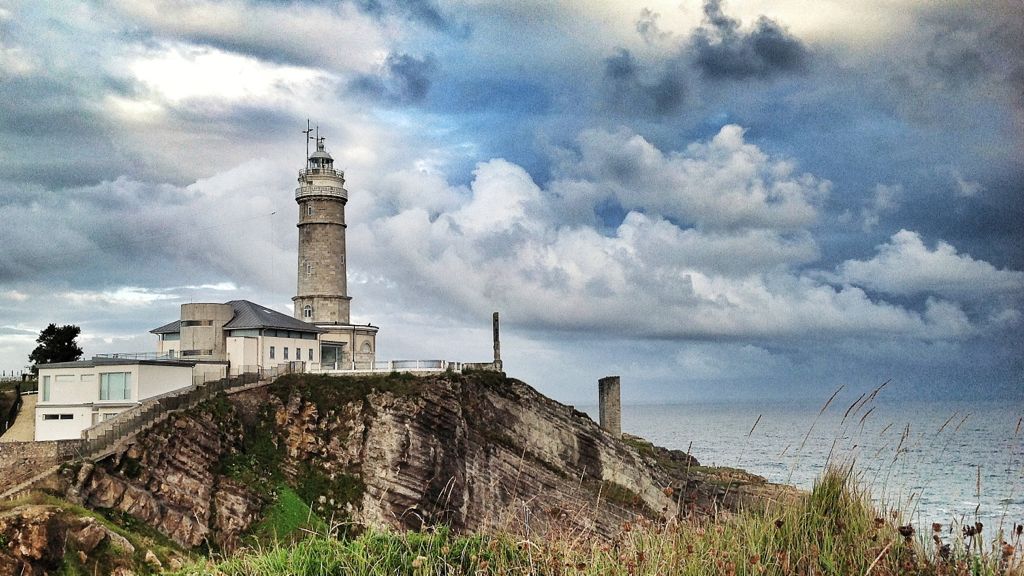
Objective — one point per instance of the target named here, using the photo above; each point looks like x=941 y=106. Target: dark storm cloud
x=423 y=11
x=630 y=93
x=647 y=26
x=721 y=50
x=404 y=80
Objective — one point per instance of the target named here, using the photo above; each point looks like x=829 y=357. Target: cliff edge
x=475 y=451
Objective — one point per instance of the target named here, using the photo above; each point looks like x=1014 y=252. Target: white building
x=76 y=395
x=246 y=336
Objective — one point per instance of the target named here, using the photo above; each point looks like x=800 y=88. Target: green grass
x=331 y=392
x=288 y=519
x=832 y=530
x=376 y=553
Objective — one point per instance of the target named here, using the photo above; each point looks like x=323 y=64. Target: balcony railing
x=138 y=356
x=321 y=172
x=321 y=190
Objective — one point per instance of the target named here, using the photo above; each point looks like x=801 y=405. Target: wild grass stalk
x=834 y=529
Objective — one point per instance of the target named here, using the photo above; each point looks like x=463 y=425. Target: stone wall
x=20 y=461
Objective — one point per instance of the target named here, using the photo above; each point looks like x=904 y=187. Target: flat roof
x=97 y=362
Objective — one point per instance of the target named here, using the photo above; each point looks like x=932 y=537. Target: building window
x=271 y=352
x=46 y=388
x=285 y=352
x=309 y=209
x=310 y=354
x=58 y=416
x=86 y=377
x=366 y=347
x=309 y=269
x=307 y=311
x=196 y=323
x=298 y=353
x=116 y=386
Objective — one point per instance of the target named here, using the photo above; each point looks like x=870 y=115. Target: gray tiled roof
x=169 y=328
x=252 y=315
x=249 y=315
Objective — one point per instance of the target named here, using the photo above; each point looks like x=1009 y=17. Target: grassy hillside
x=832 y=530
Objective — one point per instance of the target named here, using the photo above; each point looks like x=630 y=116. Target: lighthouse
x=321 y=296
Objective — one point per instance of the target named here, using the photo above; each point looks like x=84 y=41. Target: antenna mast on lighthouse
x=308 y=138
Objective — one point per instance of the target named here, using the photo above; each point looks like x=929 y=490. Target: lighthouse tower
x=322 y=293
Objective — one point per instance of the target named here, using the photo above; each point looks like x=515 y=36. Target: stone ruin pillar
x=610 y=405
x=497 y=344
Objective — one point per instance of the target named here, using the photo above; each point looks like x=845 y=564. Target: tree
x=56 y=344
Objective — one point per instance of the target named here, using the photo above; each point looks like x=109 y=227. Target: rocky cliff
x=476 y=451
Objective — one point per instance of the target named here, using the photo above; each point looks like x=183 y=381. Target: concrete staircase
x=107 y=438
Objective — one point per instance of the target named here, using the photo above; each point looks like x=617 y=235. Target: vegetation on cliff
x=832 y=530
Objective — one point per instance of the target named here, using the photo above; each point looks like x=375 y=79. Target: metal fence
x=388 y=366
x=7 y=420
x=138 y=356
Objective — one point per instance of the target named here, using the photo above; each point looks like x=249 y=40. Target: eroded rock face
x=37 y=537
x=477 y=452
x=482 y=452
x=168 y=479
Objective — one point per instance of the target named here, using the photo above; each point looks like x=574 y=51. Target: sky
x=714 y=200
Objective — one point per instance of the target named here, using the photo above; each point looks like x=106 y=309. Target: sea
x=951 y=462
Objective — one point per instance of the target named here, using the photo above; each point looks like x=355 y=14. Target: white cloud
x=504 y=247
x=335 y=37
x=14 y=295
x=130 y=296
x=905 y=266
x=885 y=199
x=965 y=188
x=725 y=183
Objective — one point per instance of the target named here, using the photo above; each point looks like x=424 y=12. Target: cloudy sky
x=735 y=198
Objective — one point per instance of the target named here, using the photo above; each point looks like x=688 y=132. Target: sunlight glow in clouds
x=181 y=73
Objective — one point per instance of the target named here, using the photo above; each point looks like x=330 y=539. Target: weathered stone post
x=497 y=344
x=610 y=405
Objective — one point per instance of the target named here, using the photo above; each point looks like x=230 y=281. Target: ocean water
x=937 y=461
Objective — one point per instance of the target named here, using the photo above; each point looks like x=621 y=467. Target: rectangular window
x=46 y=388
x=285 y=352
x=298 y=353
x=310 y=354
x=271 y=352
x=58 y=416
x=116 y=386
x=86 y=377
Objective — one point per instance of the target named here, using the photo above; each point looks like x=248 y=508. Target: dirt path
x=24 y=428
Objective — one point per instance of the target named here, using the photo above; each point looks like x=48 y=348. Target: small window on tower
x=309 y=209
x=309 y=269
x=307 y=311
